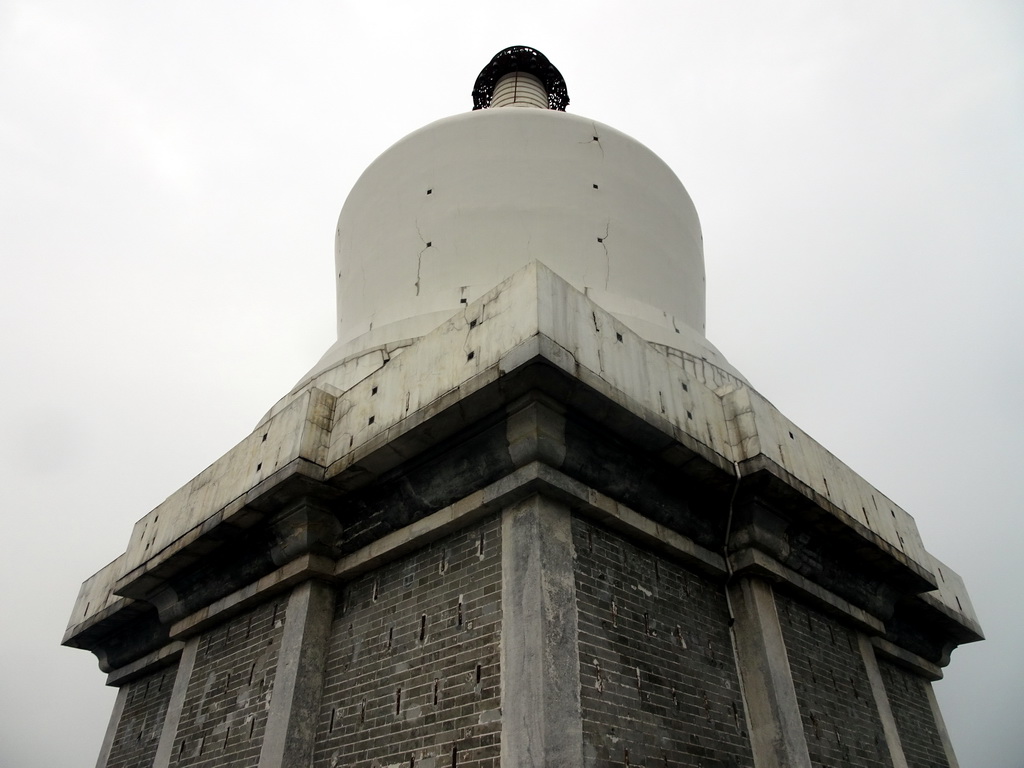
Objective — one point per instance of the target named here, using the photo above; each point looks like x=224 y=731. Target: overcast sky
x=171 y=179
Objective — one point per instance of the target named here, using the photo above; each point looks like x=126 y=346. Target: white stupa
x=523 y=514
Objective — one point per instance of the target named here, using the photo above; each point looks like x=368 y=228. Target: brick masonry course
x=659 y=682
x=841 y=723
x=412 y=674
x=141 y=722
x=225 y=710
x=915 y=721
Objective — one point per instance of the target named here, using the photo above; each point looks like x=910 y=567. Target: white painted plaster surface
x=459 y=205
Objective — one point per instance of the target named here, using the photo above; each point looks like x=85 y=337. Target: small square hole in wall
x=600 y=239
x=430 y=191
x=370 y=420
x=471 y=355
x=373 y=391
x=472 y=323
x=264 y=438
x=618 y=337
x=689 y=415
x=463 y=301
x=429 y=243
x=685 y=387
x=791 y=436
x=595 y=186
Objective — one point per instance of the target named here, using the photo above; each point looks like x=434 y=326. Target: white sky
x=171 y=178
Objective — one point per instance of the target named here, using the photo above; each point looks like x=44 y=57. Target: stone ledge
x=906 y=659
x=297 y=571
x=753 y=562
x=162 y=657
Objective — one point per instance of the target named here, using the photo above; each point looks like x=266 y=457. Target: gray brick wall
x=138 y=730
x=413 y=668
x=912 y=712
x=841 y=722
x=659 y=682
x=225 y=709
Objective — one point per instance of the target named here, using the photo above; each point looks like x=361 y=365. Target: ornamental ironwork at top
x=520 y=58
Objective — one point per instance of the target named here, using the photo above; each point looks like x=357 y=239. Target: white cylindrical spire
x=519 y=89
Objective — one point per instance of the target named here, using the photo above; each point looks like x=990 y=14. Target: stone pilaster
x=115 y=718
x=295 y=705
x=940 y=724
x=892 y=736
x=540 y=667
x=165 y=748
x=776 y=730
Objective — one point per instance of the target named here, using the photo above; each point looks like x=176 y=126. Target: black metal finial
x=519 y=58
